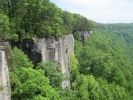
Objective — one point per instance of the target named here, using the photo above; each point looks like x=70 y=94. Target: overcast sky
x=102 y=11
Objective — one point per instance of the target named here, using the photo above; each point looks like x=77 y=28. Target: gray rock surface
x=85 y=34
x=51 y=49
x=4 y=77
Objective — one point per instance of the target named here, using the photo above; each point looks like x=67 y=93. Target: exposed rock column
x=63 y=61
x=67 y=46
x=85 y=34
x=4 y=77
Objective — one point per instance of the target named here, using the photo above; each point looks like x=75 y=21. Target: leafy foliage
x=1 y=87
x=38 y=18
x=53 y=72
x=103 y=56
x=20 y=59
x=4 y=27
x=29 y=83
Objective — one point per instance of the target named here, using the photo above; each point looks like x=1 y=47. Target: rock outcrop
x=51 y=49
x=85 y=34
x=4 y=76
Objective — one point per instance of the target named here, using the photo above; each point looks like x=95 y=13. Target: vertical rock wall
x=85 y=34
x=67 y=46
x=4 y=77
x=51 y=49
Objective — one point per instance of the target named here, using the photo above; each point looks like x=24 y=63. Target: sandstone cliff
x=50 y=49
x=4 y=77
x=85 y=34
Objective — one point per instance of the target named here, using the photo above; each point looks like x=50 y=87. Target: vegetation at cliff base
x=28 y=83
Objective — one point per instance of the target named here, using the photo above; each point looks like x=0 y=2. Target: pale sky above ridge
x=102 y=11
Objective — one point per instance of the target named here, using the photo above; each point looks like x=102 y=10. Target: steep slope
x=50 y=49
x=4 y=77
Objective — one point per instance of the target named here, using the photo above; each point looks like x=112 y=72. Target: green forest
x=100 y=69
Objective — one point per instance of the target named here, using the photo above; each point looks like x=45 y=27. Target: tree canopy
x=37 y=18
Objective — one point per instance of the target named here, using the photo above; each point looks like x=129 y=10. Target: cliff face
x=85 y=34
x=4 y=77
x=51 y=49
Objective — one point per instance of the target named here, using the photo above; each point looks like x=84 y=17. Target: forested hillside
x=101 y=69
x=22 y=19
x=107 y=57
